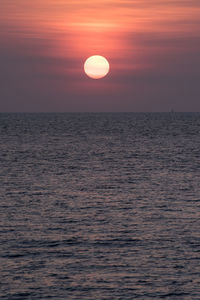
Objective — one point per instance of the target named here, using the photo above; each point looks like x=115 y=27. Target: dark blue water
x=100 y=206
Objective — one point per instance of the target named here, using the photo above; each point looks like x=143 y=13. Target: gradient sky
x=153 y=47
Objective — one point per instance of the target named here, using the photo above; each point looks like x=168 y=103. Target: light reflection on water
x=100 y=206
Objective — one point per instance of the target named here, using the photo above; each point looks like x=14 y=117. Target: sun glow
x=96 y=67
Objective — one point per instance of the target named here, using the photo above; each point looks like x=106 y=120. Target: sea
x=100 y=206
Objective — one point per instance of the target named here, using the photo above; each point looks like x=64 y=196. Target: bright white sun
x=96 y=67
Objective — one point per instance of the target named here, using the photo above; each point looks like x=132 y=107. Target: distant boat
x=172 y=114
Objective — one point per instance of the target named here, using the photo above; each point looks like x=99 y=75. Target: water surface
x=100 y=206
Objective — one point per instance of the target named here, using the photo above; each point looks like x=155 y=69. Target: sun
x=96 y=66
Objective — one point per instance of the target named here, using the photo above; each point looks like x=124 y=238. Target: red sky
x=153 y=48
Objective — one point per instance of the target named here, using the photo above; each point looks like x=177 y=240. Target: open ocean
x=100 y=206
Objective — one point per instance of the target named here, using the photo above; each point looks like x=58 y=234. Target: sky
x=153 y=47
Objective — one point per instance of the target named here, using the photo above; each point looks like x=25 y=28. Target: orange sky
x=52 y=38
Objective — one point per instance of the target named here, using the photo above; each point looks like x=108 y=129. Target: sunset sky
x=153 y=47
